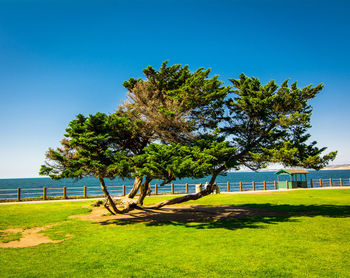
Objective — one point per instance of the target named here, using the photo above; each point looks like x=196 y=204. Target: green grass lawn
x=308 y=235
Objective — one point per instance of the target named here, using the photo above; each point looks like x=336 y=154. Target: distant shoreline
x=337 y=167
x=328 y=168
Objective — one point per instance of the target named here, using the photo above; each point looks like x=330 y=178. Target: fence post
x=341 y=182
x=264 y=185
x=85 y=192
x=321 y=184
x=275 y=184
x=228 y=187
x=186 y=188
x=172 y=189
x=254 y=185
x=44 y=193
x=287 y=184
x=331 y=182
x=311 y=183
x=199 y=188
x=64 y=192
x=156 y=189
x=241 y=186
x=217 y=188
x=124 y=190
x=18 y=194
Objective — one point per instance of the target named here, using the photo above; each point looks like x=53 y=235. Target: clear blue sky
x=61 y=58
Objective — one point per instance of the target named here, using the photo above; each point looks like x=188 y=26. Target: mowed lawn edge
x=307 y=235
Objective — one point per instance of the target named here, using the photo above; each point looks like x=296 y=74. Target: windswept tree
x=263 y=124
x=177 y=123
x=166 y=107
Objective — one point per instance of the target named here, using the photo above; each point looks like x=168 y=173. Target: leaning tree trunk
x=109 y=200
x=130 y=204
x=208 y=190
x=144 y=191
x=135 y=188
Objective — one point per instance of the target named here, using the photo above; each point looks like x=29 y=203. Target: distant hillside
x=337 y=167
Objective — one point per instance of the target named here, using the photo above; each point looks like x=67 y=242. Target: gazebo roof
x=291 y=171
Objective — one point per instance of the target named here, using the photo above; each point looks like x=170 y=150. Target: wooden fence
x=72 y=192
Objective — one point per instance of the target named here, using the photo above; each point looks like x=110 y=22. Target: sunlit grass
x=310 y=240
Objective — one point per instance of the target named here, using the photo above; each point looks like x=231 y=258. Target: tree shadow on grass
x=228 y=217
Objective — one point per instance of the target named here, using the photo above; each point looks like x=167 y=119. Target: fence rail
x=71 y=192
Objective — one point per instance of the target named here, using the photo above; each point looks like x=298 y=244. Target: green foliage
x=173 y=161
x=93 y=146
x=175 y=102
x=269 y=123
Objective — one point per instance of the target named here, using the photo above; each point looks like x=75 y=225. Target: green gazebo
x=291 y=178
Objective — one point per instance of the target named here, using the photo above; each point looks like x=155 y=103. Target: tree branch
x=208 y=190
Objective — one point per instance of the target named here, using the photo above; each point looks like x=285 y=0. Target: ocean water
x=33 y=187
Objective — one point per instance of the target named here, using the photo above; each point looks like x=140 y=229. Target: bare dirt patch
x=30 y=237
x=189 y=213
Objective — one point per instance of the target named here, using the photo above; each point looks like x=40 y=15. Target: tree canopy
x=177 y=123
x=269 y=123
x=176 y=103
